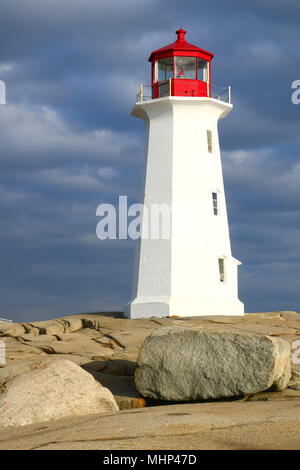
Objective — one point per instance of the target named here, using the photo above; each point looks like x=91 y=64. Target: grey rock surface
x=184 y=364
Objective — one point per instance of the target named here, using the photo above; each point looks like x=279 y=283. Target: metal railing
x=219 y=93
x=144 y=93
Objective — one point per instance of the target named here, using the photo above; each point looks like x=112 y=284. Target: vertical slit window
x=222 y=269
x=215 y=203
x=209 y=141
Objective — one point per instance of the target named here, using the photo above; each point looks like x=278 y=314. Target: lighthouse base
x=147 y=309
x=179 y=307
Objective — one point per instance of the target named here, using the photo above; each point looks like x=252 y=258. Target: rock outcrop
x=184 y=364
x=48 y=389
x=107 y=344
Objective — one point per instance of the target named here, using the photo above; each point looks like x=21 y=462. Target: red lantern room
x=181 y=69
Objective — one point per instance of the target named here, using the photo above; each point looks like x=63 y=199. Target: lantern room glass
x=202 y=70
x=185 y=67
x=165 y=69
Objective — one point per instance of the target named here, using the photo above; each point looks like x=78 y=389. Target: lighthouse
x=190 y=272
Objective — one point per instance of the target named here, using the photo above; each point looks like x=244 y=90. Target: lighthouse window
x=202 y=70
x=215 y=203
x=186 y=67
x=165 y=69
x=222 y=269
x=209 y=141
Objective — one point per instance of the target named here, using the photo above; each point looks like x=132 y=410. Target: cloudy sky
x=68 y=143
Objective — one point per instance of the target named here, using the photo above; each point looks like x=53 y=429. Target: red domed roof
x=180 y=47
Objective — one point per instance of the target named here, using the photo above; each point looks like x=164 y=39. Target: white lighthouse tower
x=191 y=272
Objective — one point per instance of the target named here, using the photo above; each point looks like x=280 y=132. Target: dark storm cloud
x=67 y=143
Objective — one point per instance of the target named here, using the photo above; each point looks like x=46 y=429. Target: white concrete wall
x=180 y=276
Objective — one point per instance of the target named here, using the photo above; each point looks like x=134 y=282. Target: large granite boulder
x=180 y=364
x=49 y=389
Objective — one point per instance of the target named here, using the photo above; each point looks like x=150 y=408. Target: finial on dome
x=180 y=34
